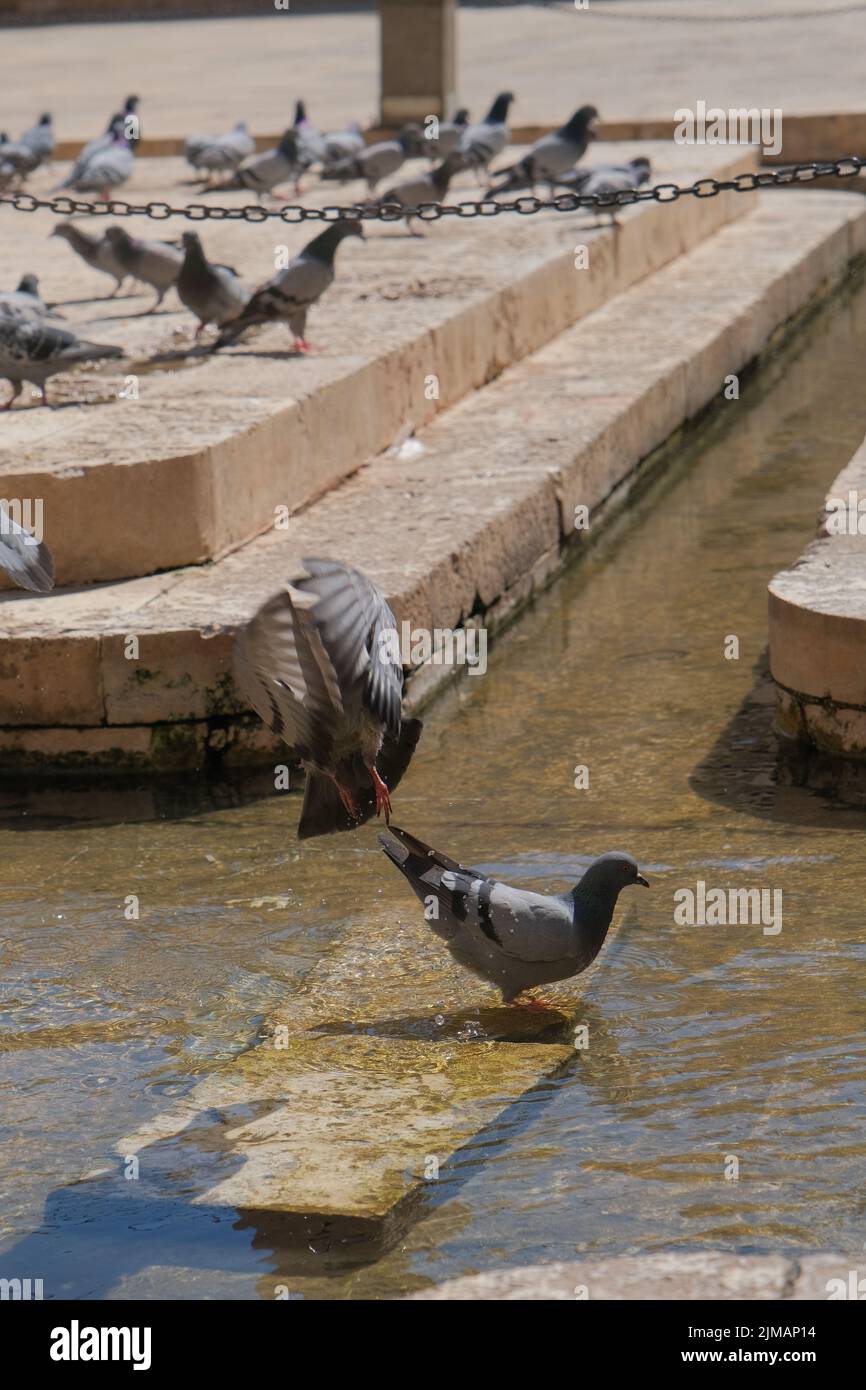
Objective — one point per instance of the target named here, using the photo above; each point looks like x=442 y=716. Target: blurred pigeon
x=154 y=263
x=262 y=173
x=25 y=302
x=25 y=559
x=481 y=143
x=550 y=156
x=425 y=188
x=214 y=293
x=119 y=124
x=31 y=350
x=448 y=137
x=35 y=146
x=291 y=292
x=341 y=144
x=220 y=153
x=318 y=664
x=608 y=178
x=511 y=937
x=97 y=251
x=376 y=162
x=310 y=141
x=108 y=168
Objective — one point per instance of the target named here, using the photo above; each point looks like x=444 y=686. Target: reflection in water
x=704 y=1043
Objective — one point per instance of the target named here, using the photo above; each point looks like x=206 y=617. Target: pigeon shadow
x=505 y=1023
x=753 y=769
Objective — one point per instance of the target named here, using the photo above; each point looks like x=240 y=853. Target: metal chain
x=847 y=167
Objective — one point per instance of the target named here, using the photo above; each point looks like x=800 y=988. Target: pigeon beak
x=642 y=881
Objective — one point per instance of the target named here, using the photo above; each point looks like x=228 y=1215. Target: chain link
x=849 y=166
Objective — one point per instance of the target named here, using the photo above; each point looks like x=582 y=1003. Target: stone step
x=200 y=462
x=817 y=626
x=467 y=525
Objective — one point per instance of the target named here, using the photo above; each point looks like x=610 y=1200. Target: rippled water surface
x=705 y=1042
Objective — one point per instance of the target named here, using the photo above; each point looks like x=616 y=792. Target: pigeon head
x=499 y=109
x=411 y=138
x=608 y=875
x=288 y=146
x=583 y=123
x=118 y=236
x=323 y=247
x=300 y=112
x=45 y=118
x=641 y=167
x=190 y=241
x=131 y=105
x=28 y=285
x=462 y=117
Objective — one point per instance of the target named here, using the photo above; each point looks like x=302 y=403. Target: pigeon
x=123 y=122
x=25 y=302
x=263 y=172
x=214 y=293
x=25 y=559
x=318 y=664
x=376 y=162
x=448 y=137
x=35 y=146
x=310 y=142
x=481 y=143
x=31 y=350
x=550 y=156
x=289 y=295
x=425 y=188
x=155 y=263
x=108 y=168
x=95 y=250
x=341 y=144
x=511 y=937
x=608 y=178
x=220 y=153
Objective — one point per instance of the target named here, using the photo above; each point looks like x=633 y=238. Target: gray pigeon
x=108 y=168
x=95 y=250
x=214 y=293
x=550 y=156
x=117 y=125
x=262 y=173
x=608 y=178
x=289 y=295
x=318 y=664
x=35 y=146
x=424 y=188
x=220 y=153
x=31 y=350
x=513 y=938
x=340 y=144
x=25 y=302
x=28 y=561
x=376 y=162
x=155 y=263
x=482 y=142
x=447 y=140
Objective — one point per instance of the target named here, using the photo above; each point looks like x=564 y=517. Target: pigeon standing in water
x=318 y=663
x=95 y=250
x=481 y=143
x=31 y=350
x=292 y=292
x=552 y=155
x=155 y=263
x=28 y=561
x=513 y=938
x=214 y=293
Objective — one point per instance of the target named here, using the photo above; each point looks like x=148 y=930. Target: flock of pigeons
x=314 y=662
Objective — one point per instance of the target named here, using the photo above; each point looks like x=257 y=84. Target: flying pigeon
x=448 y=137
x=25 y=559
x=262 y=173
x=108 y=168
x=220 y=153
x=155 y=263
x=513 y=938
x=376 y=162
x=289 y=295
x=31 y=350
x=481 y=143
x=608 y=178
x=214 y=293
x=550 y=156
x=425 y=188
x=95 y=250
x=318 y=664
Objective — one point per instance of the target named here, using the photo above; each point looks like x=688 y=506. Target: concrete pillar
x=419 y=51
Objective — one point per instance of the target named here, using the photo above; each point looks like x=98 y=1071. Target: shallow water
x=706 y=1041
